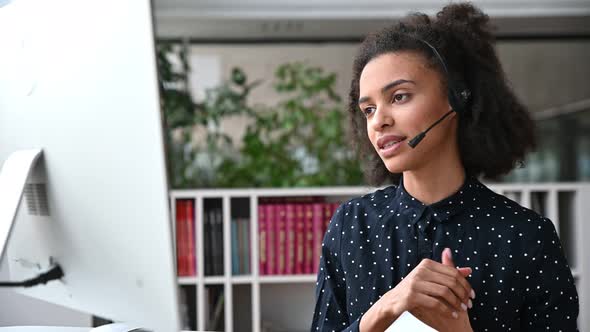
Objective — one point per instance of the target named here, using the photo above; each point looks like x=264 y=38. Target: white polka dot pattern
x=520 y=275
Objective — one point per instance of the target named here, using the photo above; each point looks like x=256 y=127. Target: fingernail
x=473 y=294
x=469 y=304
x=463 y=306
x=449 y=253
x=455 y=315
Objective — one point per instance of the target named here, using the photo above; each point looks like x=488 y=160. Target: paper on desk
x=408 y=322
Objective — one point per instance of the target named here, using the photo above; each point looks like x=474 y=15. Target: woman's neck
x=436 y=181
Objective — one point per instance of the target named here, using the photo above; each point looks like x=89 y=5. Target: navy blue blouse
x=521 y=277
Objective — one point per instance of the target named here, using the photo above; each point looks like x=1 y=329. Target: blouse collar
x=442 y=210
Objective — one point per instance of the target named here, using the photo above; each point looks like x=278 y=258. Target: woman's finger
x=453 y=276
x=446 y=294
x=434 y=304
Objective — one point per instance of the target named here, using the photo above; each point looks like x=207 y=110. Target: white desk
x=44 y=328
x=117 y=327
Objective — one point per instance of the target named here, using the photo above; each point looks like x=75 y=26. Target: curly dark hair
x=496 y=131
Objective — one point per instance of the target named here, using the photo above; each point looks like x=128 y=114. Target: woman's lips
x=386 y=148
x=391 y=150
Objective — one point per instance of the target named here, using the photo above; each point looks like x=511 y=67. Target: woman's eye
x=400 y=97
x=368 y=110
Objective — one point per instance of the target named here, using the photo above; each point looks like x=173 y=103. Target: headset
x=458 y=94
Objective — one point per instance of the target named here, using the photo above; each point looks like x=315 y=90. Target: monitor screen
x=78 y=81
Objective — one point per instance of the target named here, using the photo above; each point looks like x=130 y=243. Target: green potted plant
x=298 y=142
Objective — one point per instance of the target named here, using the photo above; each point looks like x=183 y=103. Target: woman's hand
x=443 y=323
x=436 y=293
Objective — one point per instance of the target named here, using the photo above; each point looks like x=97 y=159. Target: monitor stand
x=13 y=178
x=118 y=327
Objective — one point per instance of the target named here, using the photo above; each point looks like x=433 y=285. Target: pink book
x=299 y=239
x=280 y=238
x=309 y=239
x=290 y=228
x=262 y=239
x=318 y=233
x=270 y=238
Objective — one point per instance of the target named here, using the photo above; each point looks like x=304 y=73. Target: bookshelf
x=254 y=301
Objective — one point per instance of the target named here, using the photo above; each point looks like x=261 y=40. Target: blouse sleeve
x=551 y=301
x=330 y=313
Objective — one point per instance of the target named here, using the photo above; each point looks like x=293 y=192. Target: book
x=185 y=238
x=290 y=238
x=218 y=244
x=329 y=210
x=180 y=234
x=318 y=225
x=214 y=312
x=190 y=254
x=280 y=238
x=212 y=243
x=246 y=245
x=309 y=238
x=262 y=248
x=299 y=239
x=241 y=245
x=207 y=240
x=215 y=248
x=291 y=231
x=235 y=257
x=270 y=239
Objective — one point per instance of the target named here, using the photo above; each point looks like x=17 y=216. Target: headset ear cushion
x=459 y=96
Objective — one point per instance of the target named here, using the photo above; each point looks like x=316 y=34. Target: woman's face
x=400 y=97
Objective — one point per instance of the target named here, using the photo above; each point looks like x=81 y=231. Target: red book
x=280 y=238
x=290 y=228
x=262 y=239
x=270 y=238
x=318 y=233
x=309 y=252
x=180 y=242
x=185 y=237
x=191 y=252
x=299 y=239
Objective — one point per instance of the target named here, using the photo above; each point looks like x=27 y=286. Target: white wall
x=544 y=73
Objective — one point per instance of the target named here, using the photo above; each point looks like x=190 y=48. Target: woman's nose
x=382 y=118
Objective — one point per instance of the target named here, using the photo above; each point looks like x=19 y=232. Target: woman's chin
x=394 y=166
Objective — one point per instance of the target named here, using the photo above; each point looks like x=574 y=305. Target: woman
x=385 y=253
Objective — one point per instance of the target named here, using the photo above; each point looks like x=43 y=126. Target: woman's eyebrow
x=388 y=87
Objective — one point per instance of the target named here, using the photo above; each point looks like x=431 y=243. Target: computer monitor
x=78 y=81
